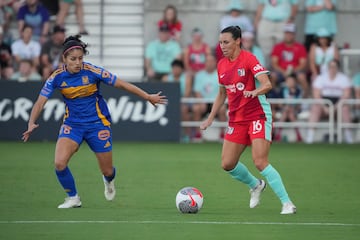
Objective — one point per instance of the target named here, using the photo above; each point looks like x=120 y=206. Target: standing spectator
x=26 y=72
x=248 y=43
x=178 y=75
x=25 y=48
x=356 y=85
x=5 y=58
x=235 y=17
x=271 y=16
x=195 y=53
x=160 y=53
x=322 y=52
x=50 y=56
x=319 y=14
x=64 y=7
x=289 y=57
x=36 y=15
x=291 y=90
x=170 y=18
x=333 y=85
x=206 y=86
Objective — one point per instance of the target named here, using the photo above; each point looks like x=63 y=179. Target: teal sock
x=274 y=179
x=67 y=181
x=241 y=173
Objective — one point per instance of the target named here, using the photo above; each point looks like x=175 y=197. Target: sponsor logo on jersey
x=222 y=75
x=241 y=72
x=85 y=80
x=240 y=86
x=63 y=84
x=258 y=67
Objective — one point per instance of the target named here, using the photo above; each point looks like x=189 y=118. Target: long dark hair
x=172 y=7
x=74 y=42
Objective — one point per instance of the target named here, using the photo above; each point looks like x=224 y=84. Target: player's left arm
x=265 y=86
x=152 y=98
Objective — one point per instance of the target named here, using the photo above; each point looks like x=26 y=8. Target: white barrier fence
x=328 y=124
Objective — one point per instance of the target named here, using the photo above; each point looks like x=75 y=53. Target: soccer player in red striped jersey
x=244 y=82
x=86 y=117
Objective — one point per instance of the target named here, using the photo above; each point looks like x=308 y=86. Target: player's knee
x=260 y=163
x=227 y=166
x=60 y=165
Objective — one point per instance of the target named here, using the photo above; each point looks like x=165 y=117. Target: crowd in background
x=307 y=69
x=34 y=52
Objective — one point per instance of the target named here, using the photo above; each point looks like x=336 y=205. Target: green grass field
x=323 y=181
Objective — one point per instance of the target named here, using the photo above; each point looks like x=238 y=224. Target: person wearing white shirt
x=333 y=85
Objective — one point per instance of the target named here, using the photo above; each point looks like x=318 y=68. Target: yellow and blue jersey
x=84 y=103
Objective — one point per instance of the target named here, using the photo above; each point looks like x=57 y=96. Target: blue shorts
x=96 y=135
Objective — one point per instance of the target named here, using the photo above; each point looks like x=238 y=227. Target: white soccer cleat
x=71 y=202
x=256 y=192
x=288 y=208
x=109 y=190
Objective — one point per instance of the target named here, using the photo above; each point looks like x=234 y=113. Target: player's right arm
x=35 y=113
x=219 y=101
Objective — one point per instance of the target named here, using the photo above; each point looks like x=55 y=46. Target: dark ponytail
x=74 y=42
x=234 y=30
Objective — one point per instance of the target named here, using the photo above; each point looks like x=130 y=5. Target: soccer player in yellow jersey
x=86 y=118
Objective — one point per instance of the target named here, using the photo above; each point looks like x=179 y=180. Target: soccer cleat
x=256 y=192
x=109 y=190
x=288 y=208
x=71 y=202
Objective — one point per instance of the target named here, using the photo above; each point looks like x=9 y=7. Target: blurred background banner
x=133 y=118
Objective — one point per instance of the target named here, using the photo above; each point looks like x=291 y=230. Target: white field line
x=179 y=222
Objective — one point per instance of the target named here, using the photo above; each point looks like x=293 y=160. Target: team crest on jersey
x=241 y=72
x=85 y=80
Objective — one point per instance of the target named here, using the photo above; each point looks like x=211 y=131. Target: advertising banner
x=133 y=119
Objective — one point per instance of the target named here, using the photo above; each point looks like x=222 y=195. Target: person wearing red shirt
x=171 y=20
x=244 y=82
x=289 y=57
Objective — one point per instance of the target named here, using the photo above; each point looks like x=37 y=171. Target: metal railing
x=340 y=124
x=330 y=124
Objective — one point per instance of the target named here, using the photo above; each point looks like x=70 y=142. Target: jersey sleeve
x=49 y=87
x=255 y=66
x=102 y=74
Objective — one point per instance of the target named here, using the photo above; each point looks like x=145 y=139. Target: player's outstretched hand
x=157 y=99
x=27 y=133
x=204 y=125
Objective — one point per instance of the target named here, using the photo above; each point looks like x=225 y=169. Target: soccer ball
x=189 y=200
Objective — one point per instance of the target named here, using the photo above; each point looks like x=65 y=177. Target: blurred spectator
x=248 y=43
x=5 y=58
x=206 y=86
x=25 y=48
x=235 y=17
x=64 y=7
x=52 y=6
x=6 y=13
x=195 y=53
x=178 y=74
x=289 y=112
x=36 y=15
x=271 y=16
x=333 y=85
x=170 y=18
x=319 y=14
x=289 y=57
x=26 y=72
x=322 y=52
x=160 y=53
x=50 y=56
x=356 y=84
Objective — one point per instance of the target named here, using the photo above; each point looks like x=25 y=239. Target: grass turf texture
x=321 y=179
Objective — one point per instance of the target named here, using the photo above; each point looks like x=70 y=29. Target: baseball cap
x=58 y=28
x=164 y=28
x=323 y=32
x=290 y=27
x=235 y=5
x=196 y=31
